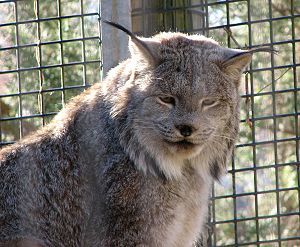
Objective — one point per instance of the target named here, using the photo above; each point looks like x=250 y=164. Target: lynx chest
x=186 y=214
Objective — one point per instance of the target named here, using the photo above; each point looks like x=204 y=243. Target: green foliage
x=49 y=44
x=264 y=127
x=44 y=94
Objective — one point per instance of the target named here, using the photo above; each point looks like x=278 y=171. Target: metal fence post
x=115 y=42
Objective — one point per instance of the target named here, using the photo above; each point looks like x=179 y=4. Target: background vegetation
x=259 y=198
x=57 y=58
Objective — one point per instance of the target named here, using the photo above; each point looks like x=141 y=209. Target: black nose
x=185 y=130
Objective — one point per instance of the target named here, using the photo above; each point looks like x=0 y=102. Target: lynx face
x=183 y=100
x=186 y=108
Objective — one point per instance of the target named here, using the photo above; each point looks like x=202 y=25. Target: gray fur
x=110 y=171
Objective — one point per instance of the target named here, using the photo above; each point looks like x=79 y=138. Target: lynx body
x=130 y=161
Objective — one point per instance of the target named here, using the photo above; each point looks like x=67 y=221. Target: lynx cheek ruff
x=130 y=161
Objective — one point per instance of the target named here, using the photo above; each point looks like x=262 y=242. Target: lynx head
x=180 y=106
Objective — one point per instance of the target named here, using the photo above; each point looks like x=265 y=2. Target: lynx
x=131 y=161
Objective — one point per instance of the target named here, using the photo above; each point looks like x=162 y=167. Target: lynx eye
x=167 y=100
x=209 y=102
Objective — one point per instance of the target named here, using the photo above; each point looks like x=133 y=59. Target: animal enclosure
x=51 y=51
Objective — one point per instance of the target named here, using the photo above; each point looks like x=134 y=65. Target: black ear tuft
x=235 y=61
x=118 y=26
x=145 y=47
x=263 y=49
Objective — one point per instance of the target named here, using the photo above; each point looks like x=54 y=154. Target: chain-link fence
x=257 y=203
x=150 y=17
x=261 y=195
x=50 y=51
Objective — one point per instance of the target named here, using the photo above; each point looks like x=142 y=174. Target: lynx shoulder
x=130 y=161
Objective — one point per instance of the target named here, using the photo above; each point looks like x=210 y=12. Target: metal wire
x=230 y=230
x=240 y=215
x=277 y=238
x=38 y=46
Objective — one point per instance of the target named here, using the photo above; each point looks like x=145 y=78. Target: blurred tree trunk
x=151 y=17
x=115 y=41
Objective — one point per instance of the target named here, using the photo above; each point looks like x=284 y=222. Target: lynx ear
x=145 y=49
x=235 y=60
x=141 y=48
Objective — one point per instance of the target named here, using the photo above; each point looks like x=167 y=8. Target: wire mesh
x=150 y=17
x=261 y=196
x=257 y=203
x=50 y=51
